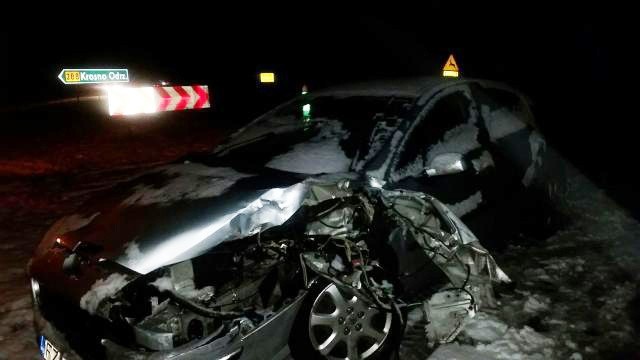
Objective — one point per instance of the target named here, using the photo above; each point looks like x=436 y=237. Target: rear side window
x=504 y=98
x=507 y=100
x=448 y=112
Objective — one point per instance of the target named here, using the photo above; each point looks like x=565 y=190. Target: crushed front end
x=240 y=298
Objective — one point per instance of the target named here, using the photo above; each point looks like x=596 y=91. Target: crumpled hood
x=177 y=212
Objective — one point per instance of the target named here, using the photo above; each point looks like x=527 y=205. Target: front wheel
x=335 y=324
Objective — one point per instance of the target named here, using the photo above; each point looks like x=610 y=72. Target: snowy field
x=575 y=295
x=27 y=207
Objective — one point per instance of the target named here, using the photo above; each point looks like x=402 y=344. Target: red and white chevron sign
x=124 y=100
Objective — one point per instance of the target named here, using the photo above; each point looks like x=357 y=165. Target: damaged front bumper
x=271 y=337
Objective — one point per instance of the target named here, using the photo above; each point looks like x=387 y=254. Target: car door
x=447 y=134
x=532 y=176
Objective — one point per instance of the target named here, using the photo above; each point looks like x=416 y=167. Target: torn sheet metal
x=456 y=251
x=413 y=210
x=446 y=241
x=443 y=236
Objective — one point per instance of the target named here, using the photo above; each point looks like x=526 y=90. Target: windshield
x=313 y=135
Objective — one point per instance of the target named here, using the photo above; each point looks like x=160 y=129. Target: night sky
x=525 y=47
x=569 y=61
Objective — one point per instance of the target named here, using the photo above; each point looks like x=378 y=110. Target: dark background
x=573 y=62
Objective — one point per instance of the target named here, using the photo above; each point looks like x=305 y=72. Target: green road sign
x=93 y=76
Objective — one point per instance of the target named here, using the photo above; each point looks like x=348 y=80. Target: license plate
x=49 y=351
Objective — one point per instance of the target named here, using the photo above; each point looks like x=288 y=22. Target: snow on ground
x=494 y=339
x=28 y=206
x=486 y=328
x=17 y=338
x=575 y=295
x=43 y=179
x=98 y=143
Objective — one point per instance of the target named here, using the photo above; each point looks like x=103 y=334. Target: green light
x=306 y=115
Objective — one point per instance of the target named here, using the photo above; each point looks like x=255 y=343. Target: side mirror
x=446 y=164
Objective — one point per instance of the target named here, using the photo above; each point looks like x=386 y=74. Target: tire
x=307 y=335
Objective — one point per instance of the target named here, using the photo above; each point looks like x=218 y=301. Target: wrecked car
x=312 y=231
x=318 y=267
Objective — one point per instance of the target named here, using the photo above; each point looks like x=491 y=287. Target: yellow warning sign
x=450 y=69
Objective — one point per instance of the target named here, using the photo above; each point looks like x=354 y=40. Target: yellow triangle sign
x=450 y=69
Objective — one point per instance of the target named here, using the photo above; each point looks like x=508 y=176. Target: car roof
x=403 y=87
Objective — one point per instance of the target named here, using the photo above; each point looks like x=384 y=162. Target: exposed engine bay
x=369 y=240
